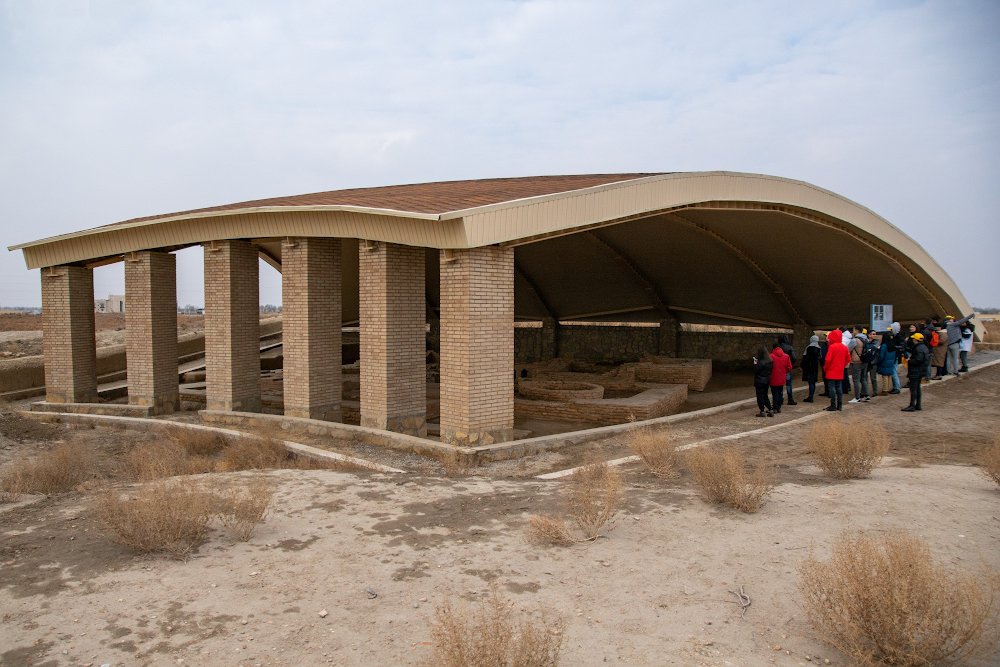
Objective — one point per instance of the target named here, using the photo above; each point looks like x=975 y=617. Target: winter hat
x=894 y=328
x=917 y=337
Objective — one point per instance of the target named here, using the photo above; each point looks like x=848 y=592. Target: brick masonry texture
x=654 y=402
x=69 y=345
x=232 y=326
x=477 y=346
x=311 y=319
x=729 y=351
x=393 y=340
x=151 y=330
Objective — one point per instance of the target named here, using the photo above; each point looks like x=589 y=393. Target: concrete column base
x=250 y=404
x=415 y=425
x=477 y=438
x=163 y=404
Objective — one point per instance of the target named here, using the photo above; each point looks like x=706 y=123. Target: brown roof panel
x=432 y=198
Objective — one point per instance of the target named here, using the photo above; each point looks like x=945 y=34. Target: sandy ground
x=654 y=592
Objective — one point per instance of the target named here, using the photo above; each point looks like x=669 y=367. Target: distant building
x=115 y=303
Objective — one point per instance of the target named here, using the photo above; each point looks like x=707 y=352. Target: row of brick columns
x=477 y=342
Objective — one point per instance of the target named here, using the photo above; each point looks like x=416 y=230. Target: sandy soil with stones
x=655 y=591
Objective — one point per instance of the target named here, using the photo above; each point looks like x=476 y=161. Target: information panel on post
x=881 y=318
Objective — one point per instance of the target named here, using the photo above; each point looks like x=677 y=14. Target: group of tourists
x=868 y=362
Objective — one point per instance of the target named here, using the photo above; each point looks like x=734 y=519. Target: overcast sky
x=114 y=110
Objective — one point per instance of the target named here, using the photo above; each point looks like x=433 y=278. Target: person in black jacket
x=762 y=366
x=810 y=366
x=790 y=351
x=916 y=370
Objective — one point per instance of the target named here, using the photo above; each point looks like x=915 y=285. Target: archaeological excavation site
x=506 y=417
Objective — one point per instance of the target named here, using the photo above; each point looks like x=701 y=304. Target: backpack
x=934 y=339
x=870 y=353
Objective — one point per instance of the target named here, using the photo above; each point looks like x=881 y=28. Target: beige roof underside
x=519 y=222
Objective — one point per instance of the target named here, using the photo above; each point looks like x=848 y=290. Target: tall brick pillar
x=668 y=337
x=477 y=346
x=232 y=326
x=151 y=330
x=311 y=322
x=69 y=344
x=393 y=340
x=549 y=342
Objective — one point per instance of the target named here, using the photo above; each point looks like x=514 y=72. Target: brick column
x=68 y=342
x=477 y=346
x=151 y=330
x=232 y=326
x=549 y=347
x=668 y=337
x=393 y=341
x=311 y=322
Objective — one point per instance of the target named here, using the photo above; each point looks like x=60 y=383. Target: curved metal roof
x=713 y=247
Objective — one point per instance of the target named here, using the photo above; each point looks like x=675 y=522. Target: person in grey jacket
x=954 y=341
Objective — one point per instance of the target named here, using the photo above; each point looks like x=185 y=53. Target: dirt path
x=655 y=592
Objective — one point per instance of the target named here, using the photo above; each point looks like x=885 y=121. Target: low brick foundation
x=113 y=409
x=657 y=401
x=695 y=373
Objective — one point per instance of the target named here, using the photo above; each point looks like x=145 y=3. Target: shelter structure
x=471 y=258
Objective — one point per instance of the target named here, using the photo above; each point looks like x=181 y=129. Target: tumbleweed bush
x=55 y=471
x=848 y=449
x=724 y=478
x=170 y=517
x=244 y=505
x=595 y=497
x=656 y=449
x=491 y=636
x=163 y=458
x=883 y=599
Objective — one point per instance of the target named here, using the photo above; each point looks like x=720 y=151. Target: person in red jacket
x=837 y=359
x=779 y=373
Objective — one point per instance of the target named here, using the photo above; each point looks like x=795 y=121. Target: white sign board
x=881 y=317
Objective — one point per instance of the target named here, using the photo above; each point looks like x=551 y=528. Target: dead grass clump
x=724 y=478
x=55 y=471
x=989 y=460
x=243 y=506
x=199 y=443
x=162 y=517
x=491 y=636
x=163 y=458
x=656 y=449
x=595 y=497
x=848 y=449
x=255 y=454
x=550 y=529
x=884 y=600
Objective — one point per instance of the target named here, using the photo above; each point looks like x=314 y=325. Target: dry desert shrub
x=60 y=469
x=243 y=506
x=491 y=636
x=550 y=529
x=989 y=460
x=724 y=478
x=595 y=496
x=656 y=449
x=884 y=600
x=199 y=443
x=163 y=458
x=162 y=517
x=848 y=449
x=255 y=454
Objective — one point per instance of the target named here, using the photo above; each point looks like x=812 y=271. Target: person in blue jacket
x=886 y=364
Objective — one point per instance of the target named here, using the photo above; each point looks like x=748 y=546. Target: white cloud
x=129 y=109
